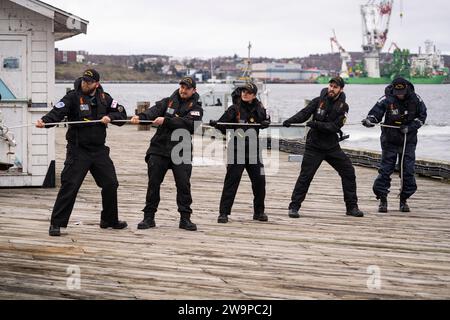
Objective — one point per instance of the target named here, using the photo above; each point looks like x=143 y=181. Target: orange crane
x=393 y=45
x=345 y=56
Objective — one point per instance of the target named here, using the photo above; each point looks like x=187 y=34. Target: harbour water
x=287 y=99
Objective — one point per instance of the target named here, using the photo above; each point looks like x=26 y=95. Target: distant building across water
x=284 y=72
x=64 y=57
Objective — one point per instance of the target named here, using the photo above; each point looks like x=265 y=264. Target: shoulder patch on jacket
x=60 y=105
x=114 y=104
x=195 y=113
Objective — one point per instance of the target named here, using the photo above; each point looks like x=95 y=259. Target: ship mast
x=248 y=69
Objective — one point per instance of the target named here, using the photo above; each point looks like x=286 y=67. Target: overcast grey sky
x=277 y=28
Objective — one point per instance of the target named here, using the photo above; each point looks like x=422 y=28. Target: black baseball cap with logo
x=400 y=86
x=250 y=87
x=91 y=75
x=189 y=82
x=339 y=81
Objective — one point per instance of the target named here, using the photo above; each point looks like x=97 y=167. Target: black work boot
x=355 y=212
x=54 y=231
x=119 y=225
x=260 y=217
x=186 y=223
x=223 y=218
x=383 y=208
x=404 y=206
x=147 y=223
x=294 y=214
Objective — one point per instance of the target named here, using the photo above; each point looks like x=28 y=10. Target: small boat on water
x=219 y=97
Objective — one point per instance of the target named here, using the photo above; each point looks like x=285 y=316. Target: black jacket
x=78 y=107
x=245 y=113
x=410 y=112
x=329 y=117
x=178 y=114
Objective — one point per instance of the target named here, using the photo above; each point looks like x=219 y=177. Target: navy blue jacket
x=410 y=112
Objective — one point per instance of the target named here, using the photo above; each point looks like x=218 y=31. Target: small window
x=11 y=64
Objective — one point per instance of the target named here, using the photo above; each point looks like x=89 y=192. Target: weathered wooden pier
x=323 y=255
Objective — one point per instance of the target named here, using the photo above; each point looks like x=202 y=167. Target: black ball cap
x=91 y=75
x=250 y=87
x=400 y=86
x=189 y=82
x=339 y=81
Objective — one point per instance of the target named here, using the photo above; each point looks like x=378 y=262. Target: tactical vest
x=253 y=116
x=323 y=111
x=85 y=110
x=175 y=111
x=398 y=114
x=89 y=134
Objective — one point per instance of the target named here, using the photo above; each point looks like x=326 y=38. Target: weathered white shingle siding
x=17 y=20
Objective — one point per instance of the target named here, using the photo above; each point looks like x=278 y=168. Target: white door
x=13 y=64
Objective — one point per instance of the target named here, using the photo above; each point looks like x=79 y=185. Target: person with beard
x=178 y=112
x=244 y=151
x=86 y=150
x=329 y=114
x=400 y=107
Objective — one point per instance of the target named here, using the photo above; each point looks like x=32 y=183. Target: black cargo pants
x=232 y=181
x=79 y=162
x=311 y=163
x=157 y=170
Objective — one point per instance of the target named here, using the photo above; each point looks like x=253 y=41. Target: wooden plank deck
x=323 y=255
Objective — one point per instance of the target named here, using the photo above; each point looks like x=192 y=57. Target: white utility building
x=28 y=32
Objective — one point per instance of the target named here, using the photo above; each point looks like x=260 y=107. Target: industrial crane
x=376 y=17
x=395 y=46
x=345 y=56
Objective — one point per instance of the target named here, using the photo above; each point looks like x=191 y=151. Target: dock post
x=142 y=107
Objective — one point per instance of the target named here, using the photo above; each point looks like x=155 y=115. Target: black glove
x=404 y=129
x=418 y=124
x=286 y=124
x=312 y=124
x=367 y=123
x=213 y=123
x=265 y=124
